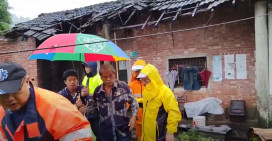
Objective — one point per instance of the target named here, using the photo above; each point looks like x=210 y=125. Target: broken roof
x=46 y=25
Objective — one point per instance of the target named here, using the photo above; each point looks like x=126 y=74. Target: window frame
x=181 y=88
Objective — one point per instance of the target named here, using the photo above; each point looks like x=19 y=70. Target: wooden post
x=106 y=34
x=116 y=62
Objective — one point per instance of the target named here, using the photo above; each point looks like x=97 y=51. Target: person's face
x=71 y=83
x=135 y=73
x=145 y=80
x=16 y=101
x=108 y=77
x=87 y=69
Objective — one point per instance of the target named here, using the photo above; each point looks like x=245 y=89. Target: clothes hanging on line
x=191 y=78
x=170 y=80
x=205 y=75
x=175 y=74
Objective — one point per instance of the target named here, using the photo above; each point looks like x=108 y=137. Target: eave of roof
x=44 y=25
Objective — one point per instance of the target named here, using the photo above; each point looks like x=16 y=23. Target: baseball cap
x=11 y=75
x=141 y=75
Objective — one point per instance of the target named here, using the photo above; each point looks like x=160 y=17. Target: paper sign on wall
x=229 y=66
x=241 y=70
x=217 y=68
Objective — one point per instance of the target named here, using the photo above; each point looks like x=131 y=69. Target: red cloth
x=205 y=75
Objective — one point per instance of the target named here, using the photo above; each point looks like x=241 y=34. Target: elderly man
x=31 y=113
x=111 y=99
x=160 y=107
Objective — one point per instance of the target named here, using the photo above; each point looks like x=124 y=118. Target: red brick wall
x=235 y=38
x=22 y=57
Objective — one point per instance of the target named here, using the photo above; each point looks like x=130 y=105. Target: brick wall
x=22 y=57
x=235 y=38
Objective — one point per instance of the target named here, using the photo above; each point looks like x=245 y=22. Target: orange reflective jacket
x=137 y=88
x=48 y=116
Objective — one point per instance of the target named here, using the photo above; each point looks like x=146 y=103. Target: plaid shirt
x=113 y=109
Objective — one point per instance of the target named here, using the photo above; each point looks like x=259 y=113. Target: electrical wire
x=10 y=52
x=183 y=30
x=148 y=35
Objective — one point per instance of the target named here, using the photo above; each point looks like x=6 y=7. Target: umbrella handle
x=73 y=65
x=117 y=70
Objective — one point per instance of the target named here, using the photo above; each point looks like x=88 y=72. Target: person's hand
x=83 y=110
x=132 y=122
x=79 y=102
x=85 y=91
x=169 y=137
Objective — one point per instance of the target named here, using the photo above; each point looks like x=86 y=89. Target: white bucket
x=199 y=121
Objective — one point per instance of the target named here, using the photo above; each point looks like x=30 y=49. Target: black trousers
x=95 y=127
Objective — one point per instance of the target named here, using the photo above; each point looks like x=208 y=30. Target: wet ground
x=238 y=132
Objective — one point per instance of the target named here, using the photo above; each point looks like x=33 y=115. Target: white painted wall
x=262 y=77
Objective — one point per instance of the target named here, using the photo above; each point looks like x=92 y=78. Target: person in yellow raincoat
x=137 y=88
x=160 y=107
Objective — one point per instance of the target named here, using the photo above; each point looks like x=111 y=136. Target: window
x=179 y=64
x=123 y=73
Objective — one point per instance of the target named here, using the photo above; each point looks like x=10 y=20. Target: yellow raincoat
x=161 y=113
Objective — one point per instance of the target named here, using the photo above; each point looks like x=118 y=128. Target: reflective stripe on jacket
x=137 y=89
x=161 y=113
x=93 y=82
x=46 y=119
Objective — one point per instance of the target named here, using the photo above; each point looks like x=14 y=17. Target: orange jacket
x=48 y=116
x=137 y=88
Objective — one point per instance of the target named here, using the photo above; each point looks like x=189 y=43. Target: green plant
x=193 y=136
x=5 y=18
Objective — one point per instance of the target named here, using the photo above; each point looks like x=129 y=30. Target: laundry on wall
x=193 y=75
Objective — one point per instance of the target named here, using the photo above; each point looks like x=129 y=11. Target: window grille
x=180 y=63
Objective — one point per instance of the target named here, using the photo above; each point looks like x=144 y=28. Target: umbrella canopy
x=78 y=47
x=83 y=57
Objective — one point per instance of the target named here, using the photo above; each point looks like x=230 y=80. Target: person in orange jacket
x=32 y=113
x=137 y=88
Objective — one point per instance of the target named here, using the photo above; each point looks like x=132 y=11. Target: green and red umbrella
x=78 y=47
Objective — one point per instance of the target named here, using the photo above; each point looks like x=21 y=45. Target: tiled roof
x=45 y=24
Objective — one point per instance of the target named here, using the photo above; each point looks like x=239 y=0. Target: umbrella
x=78 y=47
x=83 y=57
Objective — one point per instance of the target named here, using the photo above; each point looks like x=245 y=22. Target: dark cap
x=11 y=75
